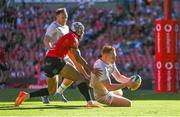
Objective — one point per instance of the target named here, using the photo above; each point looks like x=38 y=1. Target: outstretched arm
x=119 y=77
x=82 y=61
x=79 y=67
x=113 y=87
x=77 y=56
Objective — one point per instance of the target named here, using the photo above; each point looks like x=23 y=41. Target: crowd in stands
x=130 y=31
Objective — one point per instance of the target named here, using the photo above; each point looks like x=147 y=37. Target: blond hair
x=61 y=10
x=107 y=49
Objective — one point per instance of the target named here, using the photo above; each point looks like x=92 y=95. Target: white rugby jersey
x=55 y=31
x=107 y=70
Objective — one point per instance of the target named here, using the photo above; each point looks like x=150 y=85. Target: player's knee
x=129 y=104
x=121 y=92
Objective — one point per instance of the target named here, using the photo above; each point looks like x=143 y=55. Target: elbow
x=46 y=42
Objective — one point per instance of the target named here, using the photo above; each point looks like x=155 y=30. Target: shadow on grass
x=22 y=107
x=7 y=95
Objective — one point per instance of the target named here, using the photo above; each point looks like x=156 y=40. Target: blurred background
x=128 y=25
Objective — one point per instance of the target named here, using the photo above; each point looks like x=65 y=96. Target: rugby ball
x=137 y=79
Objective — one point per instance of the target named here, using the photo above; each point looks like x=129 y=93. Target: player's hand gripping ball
x=137 y=82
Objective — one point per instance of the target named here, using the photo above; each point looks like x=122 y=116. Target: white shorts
x=106 y=99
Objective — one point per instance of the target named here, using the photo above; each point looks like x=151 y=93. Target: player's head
x=108 y=54
x=78 y=28
x=61 y=16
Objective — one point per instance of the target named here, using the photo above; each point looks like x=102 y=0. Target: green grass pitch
x=145 y=103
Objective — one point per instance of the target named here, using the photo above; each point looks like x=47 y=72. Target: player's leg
x=85 y=91
x=65 y=83
x=81 y=84
x=83 y=88
x=45 y=99
x=52 y=67
x=114 y=100
x=69 y=72
x=120 y=101
x=63 y=86
x=65 y=70
x=52 y=86
x=118 y=92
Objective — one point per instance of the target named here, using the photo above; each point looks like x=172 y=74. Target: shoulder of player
x=72 y=36
x=66 y=26
x=68 y=35
x=99 y=64
x=52 y=24
x=51 y=27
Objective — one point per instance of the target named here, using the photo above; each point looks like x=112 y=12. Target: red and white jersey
x=63 y=45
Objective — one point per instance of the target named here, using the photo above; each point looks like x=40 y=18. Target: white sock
x=61 y=88
x=90 y=102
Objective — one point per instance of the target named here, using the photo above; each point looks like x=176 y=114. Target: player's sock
x=84 y=89
x=61 y=88
x=90 y=102
x=38 y=93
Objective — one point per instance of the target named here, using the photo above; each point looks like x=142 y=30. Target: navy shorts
x=53 y=66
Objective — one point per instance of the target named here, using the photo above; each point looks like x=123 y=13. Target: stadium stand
x=128 y=28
